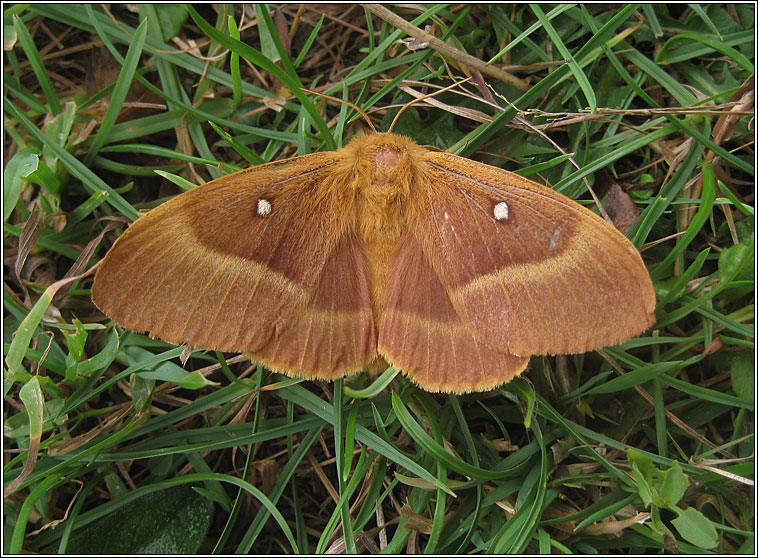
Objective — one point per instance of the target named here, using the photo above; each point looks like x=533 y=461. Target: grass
x=640 y=448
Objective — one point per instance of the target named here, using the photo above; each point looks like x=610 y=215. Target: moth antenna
x=348 y=103
x=414 y=101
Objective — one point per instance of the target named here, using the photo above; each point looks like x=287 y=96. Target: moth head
x=397 y=162
x=387 y=158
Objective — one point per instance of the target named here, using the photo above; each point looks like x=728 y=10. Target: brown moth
x=453 y=271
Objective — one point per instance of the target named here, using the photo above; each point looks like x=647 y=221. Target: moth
x=383 y=251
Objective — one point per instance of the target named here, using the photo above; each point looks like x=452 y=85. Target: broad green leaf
x=18 y=167
x=31 y=396
x=167 y=371
x=75 y=340
x=736 y=261
x=695 y=528
x=644 y=470
x=743 y=374
x=171 y=18
x=673 y=484
x=170 y=521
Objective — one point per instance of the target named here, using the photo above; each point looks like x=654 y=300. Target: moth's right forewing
x=528 y=270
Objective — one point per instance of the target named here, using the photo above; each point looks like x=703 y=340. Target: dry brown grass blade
x=465 y=112
x=615 y=527
x=119 y=412
x=743 y=100
x=28 y=239
x=738 y=478
x=321 y=474
x=84 y=257
x=31 y=461
x=424 y=98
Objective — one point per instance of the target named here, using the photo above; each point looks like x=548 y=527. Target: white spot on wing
x=556 y=233
x=264 y=207
x=501 y=211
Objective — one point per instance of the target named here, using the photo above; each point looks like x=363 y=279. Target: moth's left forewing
x=233 y=264
x=529 y=270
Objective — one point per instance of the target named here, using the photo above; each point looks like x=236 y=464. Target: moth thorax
x=388 y=185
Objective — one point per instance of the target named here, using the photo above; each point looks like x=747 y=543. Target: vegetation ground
x=113 y=444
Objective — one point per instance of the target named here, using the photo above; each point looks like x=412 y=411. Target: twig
x=445 y=49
